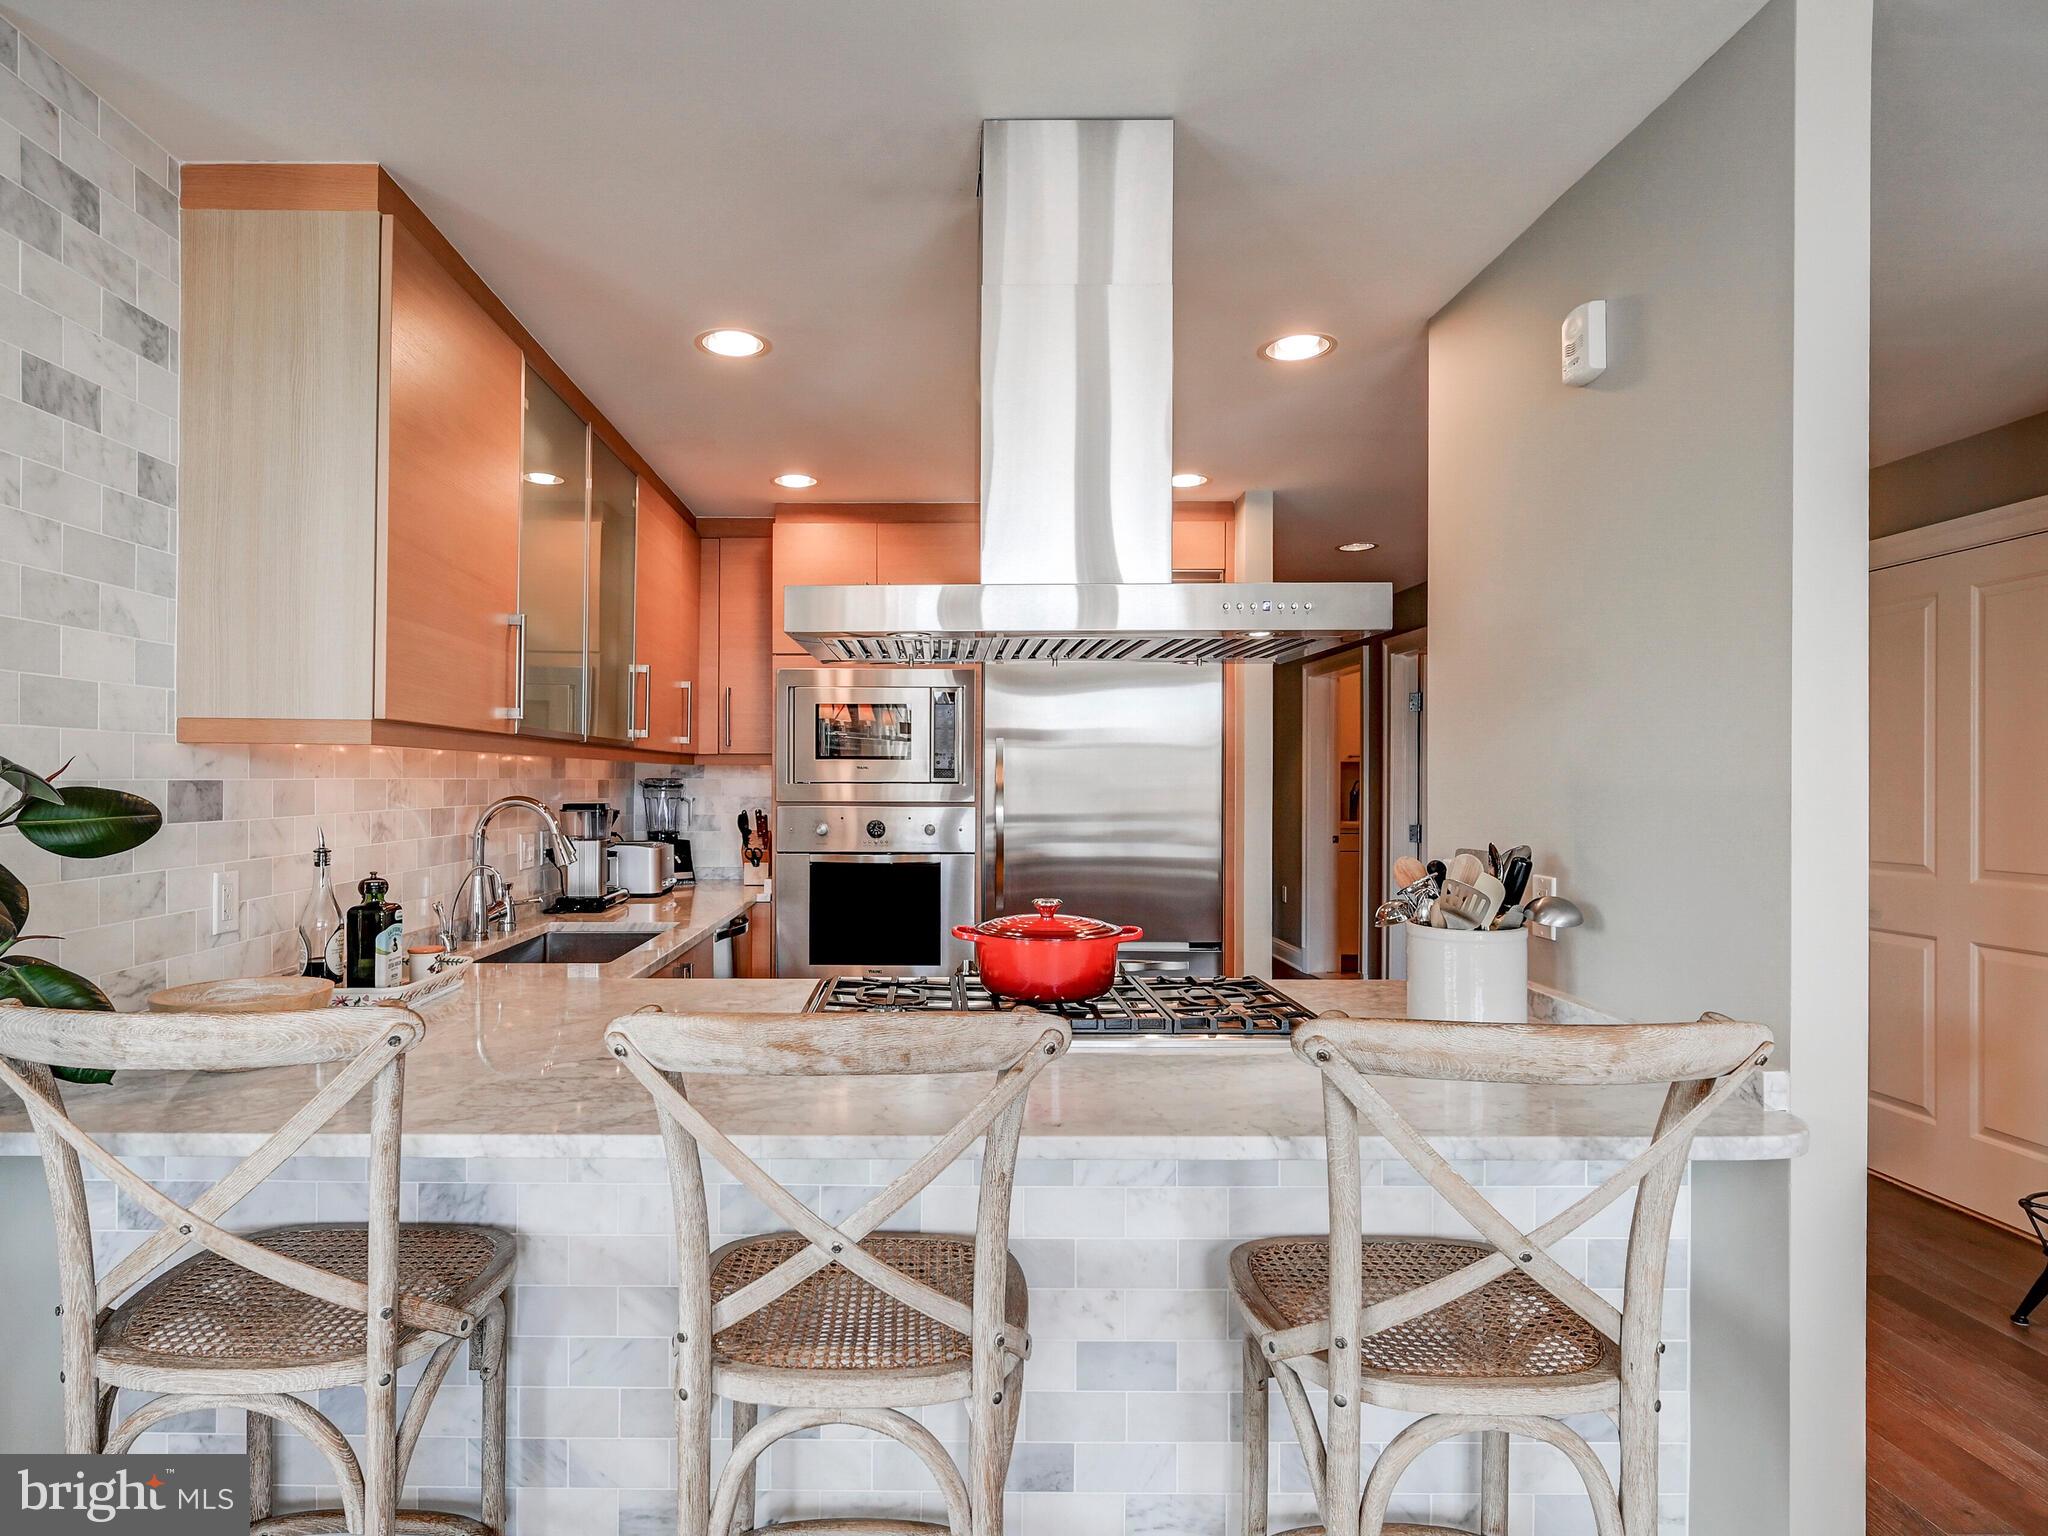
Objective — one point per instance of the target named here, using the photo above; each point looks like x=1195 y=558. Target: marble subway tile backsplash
x=139 y=922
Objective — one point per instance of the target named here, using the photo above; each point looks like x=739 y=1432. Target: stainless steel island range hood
x=1077 y=442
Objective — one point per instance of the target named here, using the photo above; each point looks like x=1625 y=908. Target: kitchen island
x=1141 y=1166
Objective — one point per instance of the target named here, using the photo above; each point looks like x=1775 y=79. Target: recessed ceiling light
x=1358 y=547
x=1188 y=480
x=796 y=482
x=1298 y=348
x=733 y=343
x=541 y=477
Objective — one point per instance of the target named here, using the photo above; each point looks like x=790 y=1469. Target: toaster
x=643 y=869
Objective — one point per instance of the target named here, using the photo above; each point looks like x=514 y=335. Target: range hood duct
x=1077 y=442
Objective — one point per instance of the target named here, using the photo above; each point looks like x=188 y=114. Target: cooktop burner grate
x=1212 y=1007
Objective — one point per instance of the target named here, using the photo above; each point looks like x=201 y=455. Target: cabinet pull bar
x=728 y=719
x=517 y=623
x=689 y=713
x=639 y=721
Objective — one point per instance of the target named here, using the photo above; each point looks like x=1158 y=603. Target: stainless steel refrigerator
x=1102 y=785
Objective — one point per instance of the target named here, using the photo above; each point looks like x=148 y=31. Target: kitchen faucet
x=490 y=901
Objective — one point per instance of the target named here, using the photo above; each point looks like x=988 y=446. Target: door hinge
x=1415 y=702
x=1415 y=833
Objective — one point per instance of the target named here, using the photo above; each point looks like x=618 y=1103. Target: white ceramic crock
x=1474 y=976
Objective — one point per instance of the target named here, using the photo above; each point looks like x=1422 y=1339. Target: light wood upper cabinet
x=1201 y=544
x=929 y=553
x=279 y=462
x=746 y=676
x=353 y=442
x=451 y=570
x=813 y=551
x=666 y=579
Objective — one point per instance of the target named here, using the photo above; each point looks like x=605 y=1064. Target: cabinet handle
x=689 y=714
x=517 y=623
x=728 y=719
x=634 y=694
x=996 y=779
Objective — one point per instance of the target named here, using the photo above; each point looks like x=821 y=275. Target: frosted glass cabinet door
x=553 y=562
x=618 y=692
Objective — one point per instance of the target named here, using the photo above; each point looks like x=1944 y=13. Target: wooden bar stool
x=1496 y=1337
x=252 y=1318
x=844 y=1324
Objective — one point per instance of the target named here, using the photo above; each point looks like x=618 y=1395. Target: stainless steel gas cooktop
x=1138 y=1007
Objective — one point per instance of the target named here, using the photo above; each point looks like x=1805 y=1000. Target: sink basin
x=561 y=948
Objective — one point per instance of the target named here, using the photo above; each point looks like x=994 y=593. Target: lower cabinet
x=693 y=964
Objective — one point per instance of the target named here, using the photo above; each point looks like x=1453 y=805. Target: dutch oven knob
x=1047 y=906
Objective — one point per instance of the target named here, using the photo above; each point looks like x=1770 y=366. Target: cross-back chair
x=1495 y=1337
x=251 y=1318
x=843 y=1323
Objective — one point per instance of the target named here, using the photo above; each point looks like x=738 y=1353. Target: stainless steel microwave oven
x=897 y=734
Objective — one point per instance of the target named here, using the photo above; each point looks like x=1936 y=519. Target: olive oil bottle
x=376 y=927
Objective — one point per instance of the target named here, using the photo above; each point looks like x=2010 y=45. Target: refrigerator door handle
x=996 y=780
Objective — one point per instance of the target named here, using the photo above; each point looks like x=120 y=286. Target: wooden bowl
x=245 y=994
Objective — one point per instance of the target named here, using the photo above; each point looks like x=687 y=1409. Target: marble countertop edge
x=1772 y=1142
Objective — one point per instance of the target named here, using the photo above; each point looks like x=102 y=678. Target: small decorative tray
x=449 y=973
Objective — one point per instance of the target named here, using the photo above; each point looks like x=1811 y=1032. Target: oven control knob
x=931 y=829
x=878 y=829
x=822 y=829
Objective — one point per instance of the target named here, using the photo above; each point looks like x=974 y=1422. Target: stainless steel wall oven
x=875 y=822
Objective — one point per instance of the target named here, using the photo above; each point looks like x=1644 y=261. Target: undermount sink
x=561 y=948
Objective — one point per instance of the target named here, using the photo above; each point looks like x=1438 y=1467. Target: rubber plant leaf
x=40 y=984
x=33 y=785
x=90 y=822
x=13 y=907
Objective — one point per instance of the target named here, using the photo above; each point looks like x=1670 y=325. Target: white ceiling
x=1959 y=220
x=627 y=174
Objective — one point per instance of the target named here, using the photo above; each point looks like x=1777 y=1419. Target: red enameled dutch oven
x=1044 y=957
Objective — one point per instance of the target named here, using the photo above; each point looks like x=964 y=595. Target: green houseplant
x=82 y=822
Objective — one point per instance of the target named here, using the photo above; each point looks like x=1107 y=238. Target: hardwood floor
x=1958 y=1395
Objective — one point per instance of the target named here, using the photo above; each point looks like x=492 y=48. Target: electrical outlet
x=1541 y=885
x=529 y=850
x=226 y=912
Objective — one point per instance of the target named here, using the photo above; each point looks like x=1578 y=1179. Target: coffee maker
x=586 y=884
x=668 y=821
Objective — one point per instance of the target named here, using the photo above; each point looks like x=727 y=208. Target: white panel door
x=1959 y=874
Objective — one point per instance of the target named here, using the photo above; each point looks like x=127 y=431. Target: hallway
x=1958 y=1395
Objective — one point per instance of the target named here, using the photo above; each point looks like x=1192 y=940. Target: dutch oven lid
x=1047 y=924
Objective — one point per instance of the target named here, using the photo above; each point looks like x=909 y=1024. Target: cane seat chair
x=1494 y=1338
x=250 y=1318
x=843 y=1323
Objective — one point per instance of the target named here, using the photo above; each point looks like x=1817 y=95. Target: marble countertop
x=512 y=1066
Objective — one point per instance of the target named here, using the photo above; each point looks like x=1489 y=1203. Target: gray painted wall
x=1609 y=567
x=1648 y=658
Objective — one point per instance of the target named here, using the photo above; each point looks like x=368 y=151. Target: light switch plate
x=529 y=850
x=225 y=915
x=1541 y=885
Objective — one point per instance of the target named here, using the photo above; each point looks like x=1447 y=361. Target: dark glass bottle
x=374 y=926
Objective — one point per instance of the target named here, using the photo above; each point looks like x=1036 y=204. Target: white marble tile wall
x=719 y=792
x=88 y=589
x=1132 y=1400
